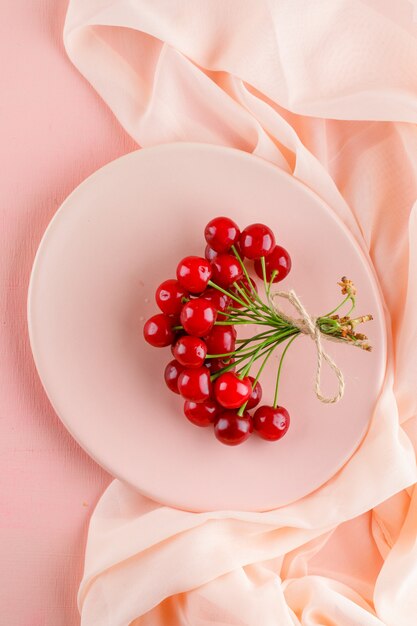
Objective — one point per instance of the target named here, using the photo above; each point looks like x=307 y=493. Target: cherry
x=215 y=365
x=158 y=331
x=198 y=317
x=226 y=270
x=221 y=233
x=190 y=351
x=193 y=273
x=171 y=375
x=201 y=413
x=219 y=300
x=278 y=260
x=210 y=254
x=256 y=241
x=231 y=391
x=256 y=395
x=244 y=284
x=233 y=429
x=271 y=422
x=169 y=297
x=221 y=340
x=195 y=384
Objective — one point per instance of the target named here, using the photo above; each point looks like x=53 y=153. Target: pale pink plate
x=116 y=237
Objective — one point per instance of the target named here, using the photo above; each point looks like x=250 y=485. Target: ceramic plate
x=115 y=238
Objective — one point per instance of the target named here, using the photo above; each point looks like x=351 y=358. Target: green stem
x=351 y=309
x=226 y=293
x=243 y=293
x=253 y=308
x=348 y=297
x=233 y=323
x=241 y=351
x=245 y=271
x=273 y=275
x=264 y=362
x=280 y=338
x=254 y=314
x=279 y=370
x=242 y=265
x=264 y=273
x=255 y=355
x=262 y=335
x=278 y=341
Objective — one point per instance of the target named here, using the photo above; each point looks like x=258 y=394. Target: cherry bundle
x=213 y=296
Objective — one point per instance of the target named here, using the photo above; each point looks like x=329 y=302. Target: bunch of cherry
x=200 y=311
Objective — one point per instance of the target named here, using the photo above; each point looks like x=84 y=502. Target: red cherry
x=169 y=297
x=278 y=260
x=201 y=413
x=178 y=335
x=256 y=395
x=221 y=233
x=215 y=365
x=231 y=391
x=271 y=423
x=221 y=340
x=190 y=351
x=244 y=284
x=193 y=273
x=210 y=254
x=195 y=384
x=233 y=429
x=219 y=300
x=256 y=241
x=226 y=270
x=158 y=331
x=171 y=375
x=198 y=317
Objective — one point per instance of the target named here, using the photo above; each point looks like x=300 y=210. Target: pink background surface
x=54 y=132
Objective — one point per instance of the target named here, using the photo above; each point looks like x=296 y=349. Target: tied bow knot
x=307 y=325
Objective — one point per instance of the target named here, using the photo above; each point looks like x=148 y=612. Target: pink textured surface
x=54 y=132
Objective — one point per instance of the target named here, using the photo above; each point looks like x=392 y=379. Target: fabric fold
x=327 y=92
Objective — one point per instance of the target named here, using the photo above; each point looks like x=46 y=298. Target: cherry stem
x=348 y=297
x=245 y=271
x=274 y=340
x=275 y=404
x=242 y=265
x=263 y=365
x=268 y=354
x=351 y=308
x=264 y=274
x=266 y=332
x=226 y=293
x=243 y=321
x=254 y=311
x=255 y=355
x=251 y=350
x=273 y=275
x=243 y=294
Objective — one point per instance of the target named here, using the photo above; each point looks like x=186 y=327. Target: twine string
x=308 y=326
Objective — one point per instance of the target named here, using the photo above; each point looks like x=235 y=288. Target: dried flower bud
x=360 y=337
x=348 y=288
x=360 y=320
